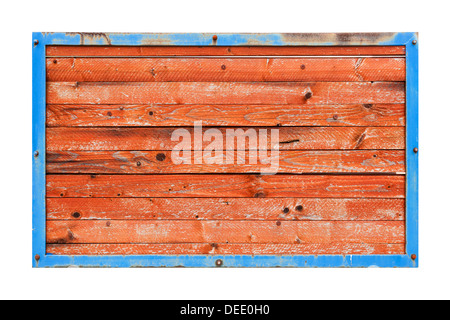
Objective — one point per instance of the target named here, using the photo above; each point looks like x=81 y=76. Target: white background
x=20 y=18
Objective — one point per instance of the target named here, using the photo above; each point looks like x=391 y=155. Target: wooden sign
x=227 y=150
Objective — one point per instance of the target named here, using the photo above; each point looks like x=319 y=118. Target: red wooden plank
x=218 y=186
x=81 y=51
x=146 y=162
x=148 y=231
x=225 y=209
x=225 y=92
x=223 y=115
x=225 y=249
x=290 y=138
x=225 y=70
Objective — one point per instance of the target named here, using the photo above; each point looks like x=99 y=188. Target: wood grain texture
x=232 y=186
x=290 y=138
x=225 y=92
x=300 y=209
x=224 y=70
x=224 y=115
x=139 y=51
x=148 y=231
x=225 y=249
x=146 y=162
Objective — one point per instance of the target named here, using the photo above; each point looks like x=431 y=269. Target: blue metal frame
x=409 y=40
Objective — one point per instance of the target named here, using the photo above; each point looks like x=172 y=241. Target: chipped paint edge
x=321 y=261
x=226 y=39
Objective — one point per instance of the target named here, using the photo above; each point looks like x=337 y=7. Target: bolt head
x=219 y=262
x=36 y=42
x=414 y=257
x=36 y=153
x=416 y=150
x=214 y=37
x=414 y=42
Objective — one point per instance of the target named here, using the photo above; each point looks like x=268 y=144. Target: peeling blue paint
x=322 y=261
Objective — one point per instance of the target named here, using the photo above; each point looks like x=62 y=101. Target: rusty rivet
x=36 y=42
x=303 y=67
x=299 y=208
x=416 y=150
x=414 y=42
x=214 y=37
x=36 y=153
x=160 y=157
x=76 y=215
x=308 y=95
x=335 y=117
x=224 y=67
x=219 y=262
x=413 y=257
x=37 y=257
x=286 y=210
x=278 y=223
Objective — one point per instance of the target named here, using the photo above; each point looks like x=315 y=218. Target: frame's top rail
x=225 y=39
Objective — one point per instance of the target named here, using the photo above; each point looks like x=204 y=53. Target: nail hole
x=308 y=95
x=150 y=113
x=109 y=113
x=138 y=163
x=286 y=210
x=299 y=208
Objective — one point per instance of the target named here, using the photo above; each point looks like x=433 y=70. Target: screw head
x=416 y=150
x=224 y=67
x=36 y=153
x=36 y=42
x=278 y=223
x=160 y=157
x=335 y=117
x=37 y=257
x=286 y=210
x=414 y=257
x=76 y=215
x=219 y=262
x=414 y=42
x=214 y=37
